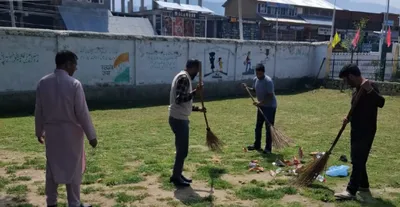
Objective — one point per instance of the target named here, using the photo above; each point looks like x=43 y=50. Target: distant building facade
x=344 y=25
x=297 y=20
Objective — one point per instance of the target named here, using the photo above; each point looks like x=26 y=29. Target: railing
x=370 y=68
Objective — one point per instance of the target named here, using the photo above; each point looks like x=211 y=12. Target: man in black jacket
x=363 y=128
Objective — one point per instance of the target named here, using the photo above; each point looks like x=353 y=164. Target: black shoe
x=186 y=179
x=252 y=147
x=267 y=152
x=179 y=182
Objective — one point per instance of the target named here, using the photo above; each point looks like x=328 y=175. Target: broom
x=279 y=140
x=310 y=172
x=212 y=141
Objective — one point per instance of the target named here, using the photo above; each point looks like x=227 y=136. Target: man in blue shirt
x=263 y=86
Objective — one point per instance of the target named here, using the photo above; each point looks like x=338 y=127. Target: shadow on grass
x=189 y=197
x=15 y=201
x=28 y=108
x=271 y=157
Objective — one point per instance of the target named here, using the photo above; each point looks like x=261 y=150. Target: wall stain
x=14 y=57
x=162 y=60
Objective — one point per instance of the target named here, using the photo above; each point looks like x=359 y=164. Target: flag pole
x=333 y=21
x=240 y=19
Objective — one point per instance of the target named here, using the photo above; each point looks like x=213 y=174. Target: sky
x=364 y=5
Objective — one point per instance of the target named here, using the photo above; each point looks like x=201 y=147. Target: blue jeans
x=181 y=131
x=270 y=114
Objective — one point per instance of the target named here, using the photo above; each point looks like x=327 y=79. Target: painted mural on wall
x=248 y=58
x=159 y=62
x=218 y=60
x=24 y=60
x=101 y=61
x=120 y=69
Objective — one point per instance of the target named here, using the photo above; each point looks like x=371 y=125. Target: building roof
x=184 y=7
x=318 y=20
x=101 y=20
x=323 y=4
x=288 y=20
x=301 y=20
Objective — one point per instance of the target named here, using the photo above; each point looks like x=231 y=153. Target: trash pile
x=254 y=166
x=294 y=166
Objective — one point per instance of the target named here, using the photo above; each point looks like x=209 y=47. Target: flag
x=335 y=40
x=389 y=37
x=356 y=39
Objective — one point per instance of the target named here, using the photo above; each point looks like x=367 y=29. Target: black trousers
x=361 y=143
x=181 y=131
x=270 y=114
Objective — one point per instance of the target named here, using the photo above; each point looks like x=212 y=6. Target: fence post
x=328 y=60
x=395 y=61
x=383 y=62
x=333 y=67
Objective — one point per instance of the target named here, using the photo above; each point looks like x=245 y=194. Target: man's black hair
x=193 y=63
x=65 y=56
x=350 y=69
x=260 y=67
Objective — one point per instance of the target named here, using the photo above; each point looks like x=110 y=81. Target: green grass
x=142 y=136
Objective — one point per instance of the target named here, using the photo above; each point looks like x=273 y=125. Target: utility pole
x=382 y=44
x=12 y=13
x=240 y=19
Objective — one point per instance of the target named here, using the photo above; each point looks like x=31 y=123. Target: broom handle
x=358 y=95
x=252 y=98
x=201 y=95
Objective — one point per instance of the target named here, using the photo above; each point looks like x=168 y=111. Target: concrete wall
x=135 y=68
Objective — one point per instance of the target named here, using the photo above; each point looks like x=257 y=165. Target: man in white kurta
x=61 y=120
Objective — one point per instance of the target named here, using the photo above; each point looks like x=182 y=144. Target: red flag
x=356 y=39
x=389 y=37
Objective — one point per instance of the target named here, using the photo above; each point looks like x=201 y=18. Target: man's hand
x=93 y=142
x=345 y=120
x=41 y=139
x=199 y=87
x=203 y=110
x=257 y=103
x=366 y=85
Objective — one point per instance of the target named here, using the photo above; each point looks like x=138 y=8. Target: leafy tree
x=346 y=43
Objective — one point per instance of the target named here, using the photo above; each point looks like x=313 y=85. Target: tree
x=347 y=42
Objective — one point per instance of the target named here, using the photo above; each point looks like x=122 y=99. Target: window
x=101 y=1
x=269 y=10
x=89 y=1
x=263 y=9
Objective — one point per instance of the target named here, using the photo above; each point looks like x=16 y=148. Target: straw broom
x=279 y=140
x=212 y=141
x=310 y=172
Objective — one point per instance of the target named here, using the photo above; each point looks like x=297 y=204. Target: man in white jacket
x=180 y=108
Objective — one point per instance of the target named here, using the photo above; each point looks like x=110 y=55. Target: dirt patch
x=14 y=156
x=35 y=175
x=303 y=201
x=243 y=179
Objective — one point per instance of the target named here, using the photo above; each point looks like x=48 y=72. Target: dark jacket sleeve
x=376 y=96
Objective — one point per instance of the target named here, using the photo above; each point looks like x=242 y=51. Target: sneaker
x=252 y=147
x=345 y=195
